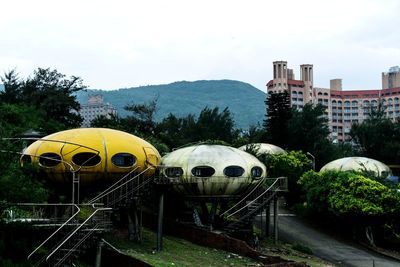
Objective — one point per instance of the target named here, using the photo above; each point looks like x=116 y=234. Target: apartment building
x=94 y=108
x=343 y=107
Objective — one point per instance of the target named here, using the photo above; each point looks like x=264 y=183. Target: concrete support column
x=276 y=219
x=100 y=245
x=160 y=222
x=267 y=219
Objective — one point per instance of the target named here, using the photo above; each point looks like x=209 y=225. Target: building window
x=174 y=172
x=233 y=171
x=87 y=159
x=49 y=159
x=256 y=172
x=123 y=160
x=203 y=171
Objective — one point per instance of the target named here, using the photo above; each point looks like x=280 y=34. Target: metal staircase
x=242 y=214
x=124 y=189
x=78 y=232
x=76 y=228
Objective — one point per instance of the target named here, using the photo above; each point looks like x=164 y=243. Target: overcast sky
x=117 y=44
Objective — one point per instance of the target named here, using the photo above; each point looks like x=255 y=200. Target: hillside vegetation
x=245 y=102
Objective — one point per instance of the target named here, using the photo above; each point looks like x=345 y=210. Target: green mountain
x=245 y=102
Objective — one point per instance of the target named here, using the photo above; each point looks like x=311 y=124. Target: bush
x=357 y=202
x=21 y=185
x=349 y=193
x=291 y=165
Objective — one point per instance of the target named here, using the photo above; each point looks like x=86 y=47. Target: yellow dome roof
x=95 y=152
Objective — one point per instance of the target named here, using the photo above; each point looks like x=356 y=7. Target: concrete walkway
x=294 y=230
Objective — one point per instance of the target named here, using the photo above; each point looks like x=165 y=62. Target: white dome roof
x=264 y=148
x=216 y=156
x=358 y=164
x=215 y=160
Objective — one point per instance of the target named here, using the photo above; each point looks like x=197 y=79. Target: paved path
x=292 y=229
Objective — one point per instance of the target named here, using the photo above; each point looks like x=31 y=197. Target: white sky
x=117 y=44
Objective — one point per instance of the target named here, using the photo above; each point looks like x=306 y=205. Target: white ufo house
x=212 y=170
x=358 y=164
x=263 y=148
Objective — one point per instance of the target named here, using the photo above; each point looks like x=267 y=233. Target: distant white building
x=95 y=108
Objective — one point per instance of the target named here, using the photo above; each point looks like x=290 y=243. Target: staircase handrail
x=76 y=230
x=105 y=193
x=267 y=196
x=261 y=182
x=275 y=184
x=142 y=184
x=58 y=229
x=83 y=239
x=269 y=189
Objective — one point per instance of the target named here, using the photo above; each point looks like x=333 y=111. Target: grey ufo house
x=212 y=171
x=263 y=148
x=358 y=164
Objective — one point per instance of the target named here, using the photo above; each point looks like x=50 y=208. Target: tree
x=112 y=121
x=49 y=92
x=141 y=119
x=255 y=134
x=12 y=88
x=16 y=119
x=171 y=130
x=215 y=125
x=378 y=137
x=277 y=118
x=309 y=132
x=359 y=201
x=21 y=184
x=210 y=125
x=291 y=165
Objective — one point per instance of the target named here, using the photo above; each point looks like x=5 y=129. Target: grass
x=296 y=252
x=178 y=252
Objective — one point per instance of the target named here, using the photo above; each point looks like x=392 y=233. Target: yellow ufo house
x=96 y=154
x=211 y=170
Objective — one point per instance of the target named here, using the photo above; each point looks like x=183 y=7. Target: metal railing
x=255 y=200
x=250 y=195
x=58 y=230
x=123 y=188
x=79 y=241
x=36 y=212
